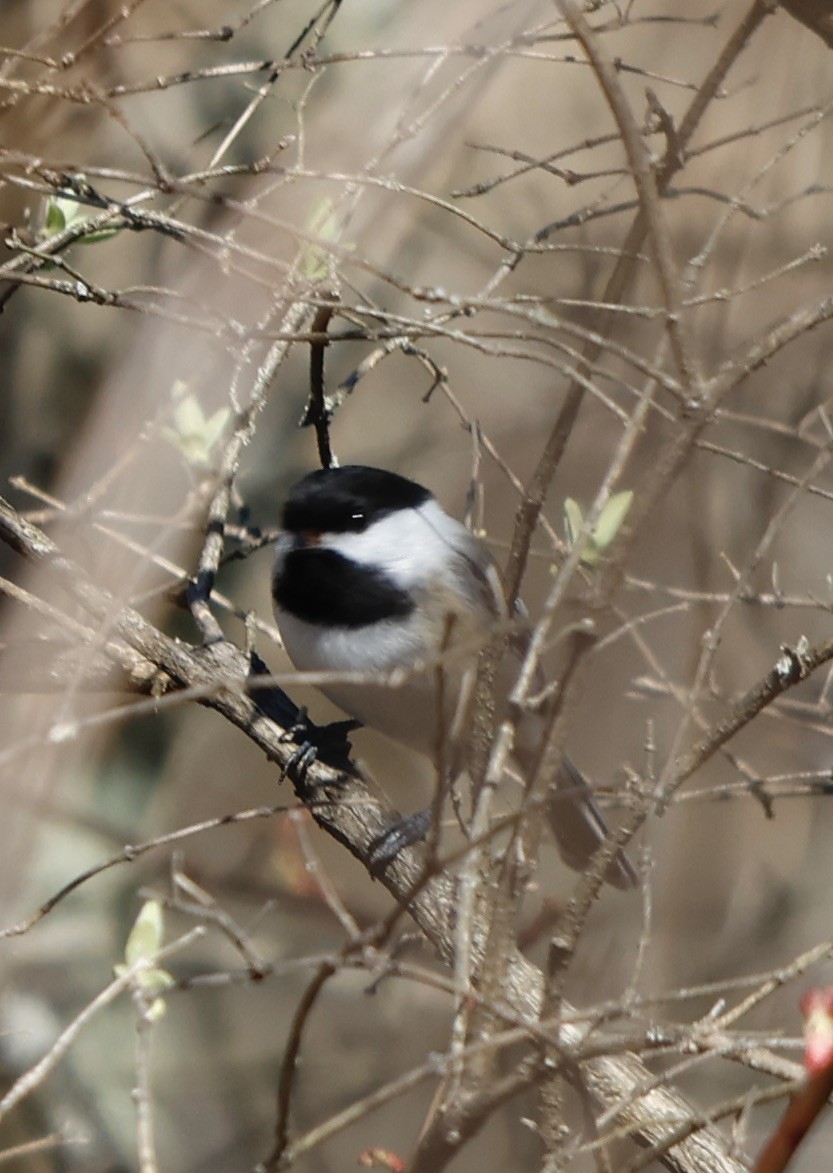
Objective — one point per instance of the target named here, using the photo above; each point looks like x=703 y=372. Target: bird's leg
x=325 y=743
x=401 y=833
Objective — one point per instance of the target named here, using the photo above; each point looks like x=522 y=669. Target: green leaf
x=326 y=225
x=605 y=530
x=573 y=520
x=146 y=936
x=99 y=235
x=591 y=555
x=194 y=435
x=143 y=943
x=55 y=220
x=63 y=212
x=611 y=519
x=157 y=1009
x=153 y=980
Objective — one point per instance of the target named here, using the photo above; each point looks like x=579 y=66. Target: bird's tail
x=577 y=824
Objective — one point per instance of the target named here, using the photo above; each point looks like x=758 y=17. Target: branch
x=532 y=503
x=815 y=14
x=346 y=810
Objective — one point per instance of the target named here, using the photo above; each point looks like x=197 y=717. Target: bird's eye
x=358 y=521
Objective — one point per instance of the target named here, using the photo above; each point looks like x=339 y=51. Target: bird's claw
x=325 y=743
x=401 y=833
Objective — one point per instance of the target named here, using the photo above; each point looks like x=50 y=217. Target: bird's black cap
x=348 y=499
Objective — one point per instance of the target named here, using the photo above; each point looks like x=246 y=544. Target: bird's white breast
x=424 y=552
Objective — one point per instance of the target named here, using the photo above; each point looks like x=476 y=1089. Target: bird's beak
x=307 y=538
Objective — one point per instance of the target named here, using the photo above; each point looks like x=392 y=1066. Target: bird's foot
x=401 y=833
x=328 y=744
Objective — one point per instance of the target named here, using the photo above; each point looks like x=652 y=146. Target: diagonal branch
x=345 y=809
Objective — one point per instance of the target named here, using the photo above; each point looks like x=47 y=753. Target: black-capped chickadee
x=371 y=576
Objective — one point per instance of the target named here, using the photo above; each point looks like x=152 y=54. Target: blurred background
x=454 y=172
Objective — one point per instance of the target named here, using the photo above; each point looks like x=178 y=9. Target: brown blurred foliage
x=454 y=172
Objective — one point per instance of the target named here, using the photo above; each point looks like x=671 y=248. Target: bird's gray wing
x=576 y=822
x=579 y=828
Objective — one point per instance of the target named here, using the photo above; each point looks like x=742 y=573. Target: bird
x=372 y=577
